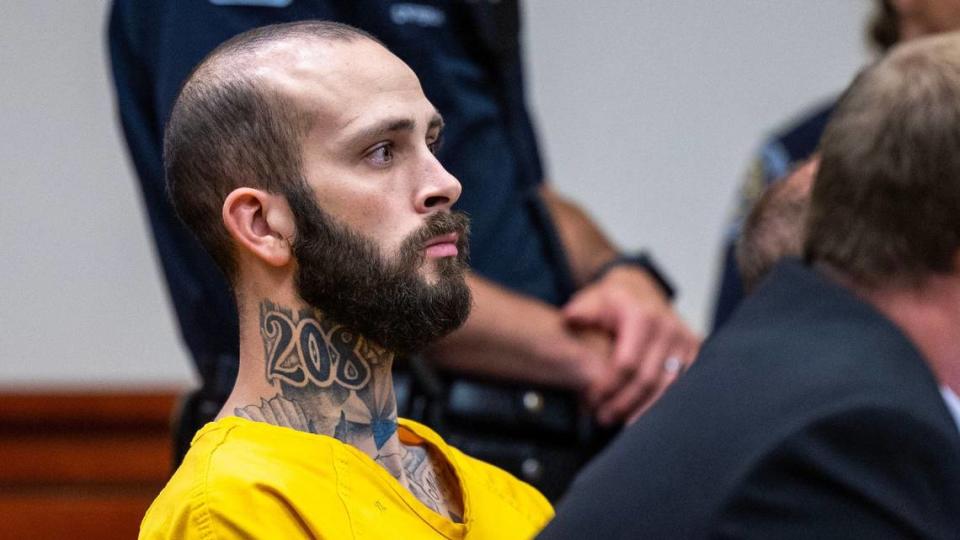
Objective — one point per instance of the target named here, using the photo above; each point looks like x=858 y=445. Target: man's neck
x=320 y=377
x=300 y=369
x=929 y=314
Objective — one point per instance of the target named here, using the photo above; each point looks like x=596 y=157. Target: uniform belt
x=539 y=434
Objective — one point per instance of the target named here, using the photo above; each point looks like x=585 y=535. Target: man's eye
x=381 y=155
x=436 y=145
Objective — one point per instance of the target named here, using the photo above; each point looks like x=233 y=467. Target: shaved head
x=238 y=122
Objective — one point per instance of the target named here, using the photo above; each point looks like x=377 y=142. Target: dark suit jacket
x=809 y=415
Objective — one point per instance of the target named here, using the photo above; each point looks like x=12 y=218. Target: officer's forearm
x=586 y=246
x=518 y=338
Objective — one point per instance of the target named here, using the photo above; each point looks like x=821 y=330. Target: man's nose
x=438 y=189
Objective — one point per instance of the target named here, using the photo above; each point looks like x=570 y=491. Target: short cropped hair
x=885 y=207
x=774 y=228
x=229 y=129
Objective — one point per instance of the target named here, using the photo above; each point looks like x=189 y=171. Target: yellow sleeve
x=521 y=495
x=530 y=508
x=226 y=513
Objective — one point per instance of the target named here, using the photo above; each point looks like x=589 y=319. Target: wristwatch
x=643 y=260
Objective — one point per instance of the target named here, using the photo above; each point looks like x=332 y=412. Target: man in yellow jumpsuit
x=302 y=156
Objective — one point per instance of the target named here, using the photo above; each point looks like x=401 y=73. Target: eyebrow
x=393 y=125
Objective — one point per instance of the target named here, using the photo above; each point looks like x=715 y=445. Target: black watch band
x=643 y=260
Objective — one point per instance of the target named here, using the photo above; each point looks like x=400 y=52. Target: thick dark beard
x=344 y=275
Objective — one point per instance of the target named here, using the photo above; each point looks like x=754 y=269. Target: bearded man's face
x=390 y=298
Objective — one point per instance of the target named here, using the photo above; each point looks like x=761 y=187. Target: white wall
x=647 y=110
x=81 y=299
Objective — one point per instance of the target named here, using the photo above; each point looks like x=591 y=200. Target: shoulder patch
x=417 y=15
x=257 y=3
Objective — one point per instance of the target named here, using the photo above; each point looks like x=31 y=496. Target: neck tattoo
x=331 y=381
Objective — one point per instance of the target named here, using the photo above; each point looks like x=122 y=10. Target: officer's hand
x=652 y=346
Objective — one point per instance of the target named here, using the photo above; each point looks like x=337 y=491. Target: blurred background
x=648 y=113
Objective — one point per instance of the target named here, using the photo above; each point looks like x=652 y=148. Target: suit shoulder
x=871 y=470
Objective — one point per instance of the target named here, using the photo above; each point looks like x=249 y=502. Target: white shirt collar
x=953 y=403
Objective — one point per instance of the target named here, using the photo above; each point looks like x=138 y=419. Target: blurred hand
x=593 y=357
x=651 y=345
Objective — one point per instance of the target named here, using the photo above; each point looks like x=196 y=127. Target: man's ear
x=260 y=223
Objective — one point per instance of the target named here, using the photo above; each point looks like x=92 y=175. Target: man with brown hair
x=302 y=155
x=893 y=21
x=774 y=229
x=826 y=407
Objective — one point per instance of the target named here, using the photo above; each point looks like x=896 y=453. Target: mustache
x=437 y=225
x=440 y=224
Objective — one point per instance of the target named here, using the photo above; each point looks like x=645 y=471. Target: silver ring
x=673 y=365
